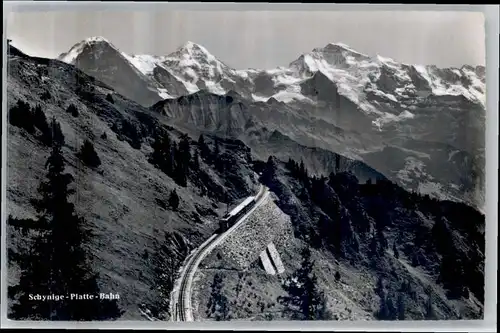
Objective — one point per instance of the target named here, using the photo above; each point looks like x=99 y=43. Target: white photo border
x=491 y=19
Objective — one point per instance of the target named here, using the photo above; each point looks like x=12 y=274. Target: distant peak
x=193 y=51
x=190 y=46
x=70 y=56
x=342 y=45
x=96 y=39
x=338 y=47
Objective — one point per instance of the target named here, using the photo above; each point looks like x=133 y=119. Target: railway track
x=183 y=300
x=184 y=285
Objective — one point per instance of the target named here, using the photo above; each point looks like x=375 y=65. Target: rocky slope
x=370 y=108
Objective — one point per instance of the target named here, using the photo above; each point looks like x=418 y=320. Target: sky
x=260 y=39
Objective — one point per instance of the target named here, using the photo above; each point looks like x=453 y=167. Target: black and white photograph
x=178 y=165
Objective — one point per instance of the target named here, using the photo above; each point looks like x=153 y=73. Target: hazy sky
x=260 y=39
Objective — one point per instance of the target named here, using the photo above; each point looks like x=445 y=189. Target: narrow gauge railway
x=230 y=219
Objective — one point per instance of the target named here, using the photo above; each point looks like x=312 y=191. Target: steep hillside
x=418 y=247
x=126 y=200
x=378 y=253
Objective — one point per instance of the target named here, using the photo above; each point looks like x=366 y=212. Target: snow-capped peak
x=193 y=51
x=193 y=47
x=97 y=39
x=70 y=56
x=339 y=48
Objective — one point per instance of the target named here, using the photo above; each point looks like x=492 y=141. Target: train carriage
x=229 y=219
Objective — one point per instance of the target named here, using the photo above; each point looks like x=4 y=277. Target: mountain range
x=421 y=126
x=150 y=188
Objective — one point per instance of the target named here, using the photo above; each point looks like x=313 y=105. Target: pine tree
x=56 y=262
x=73 y=110
x=158 y=155
x=387 y=310
x=182 y=160
x=337 y=164
x=20 y=115
x=162 y=156
x=302 y=170
x=196 y=160
x=379 y=289
x=110 y=99
x=40 y=121
x=395 y=250
x=88 y=155
x=172 y=159
x=204 y=149
x=216 y=153
x=401 y=307
x=430 y=314
x=57 y=134
x=304 y=301
x=174 y=200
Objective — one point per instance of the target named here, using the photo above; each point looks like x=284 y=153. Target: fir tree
x=204 y=149
x=401 y=307
x=379 y=289
x=304 y=301
x=57 y=134
x=158 y=155
x=162 y=156
x=182 y=160
x=395 y=250
x=88 y=155
x=196 y=160
x=56 y=262
x=174 y=200
x=387 y=310
x=430 y=314
x=73 y=110
x=110 y=99
x=216 y=153
x=40 y=121
x=20 y=115
x=173 y=154
x=302 y=170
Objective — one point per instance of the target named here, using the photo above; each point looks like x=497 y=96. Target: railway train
x=230 y=219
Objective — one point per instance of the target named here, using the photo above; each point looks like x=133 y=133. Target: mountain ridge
x=189 y=55
x=371 y=102
x=374 y=243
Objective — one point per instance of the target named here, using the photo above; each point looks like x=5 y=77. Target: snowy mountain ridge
x=399 y=118
x=358 y=76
